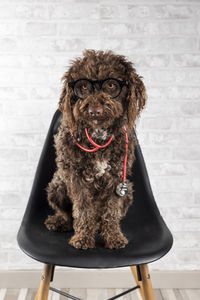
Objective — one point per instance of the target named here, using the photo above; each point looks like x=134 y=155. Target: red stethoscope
x=122 y=188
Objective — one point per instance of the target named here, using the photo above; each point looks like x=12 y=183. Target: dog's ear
x=136 y=98
x=65 y=102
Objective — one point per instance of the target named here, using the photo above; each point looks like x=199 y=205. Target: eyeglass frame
x=100 y=82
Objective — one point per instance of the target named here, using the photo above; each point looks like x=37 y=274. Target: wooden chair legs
x=43 y=291
x=144 y=281
x=141 y=275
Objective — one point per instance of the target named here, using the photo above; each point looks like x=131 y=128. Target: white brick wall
x=162 y=38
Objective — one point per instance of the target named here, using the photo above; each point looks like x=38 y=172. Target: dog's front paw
x=57 y=223
x=82 y=242
x=116 y=242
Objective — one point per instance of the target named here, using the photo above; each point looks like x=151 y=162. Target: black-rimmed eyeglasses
x=85 y=87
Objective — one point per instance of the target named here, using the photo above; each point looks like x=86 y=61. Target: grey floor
x=102 y=294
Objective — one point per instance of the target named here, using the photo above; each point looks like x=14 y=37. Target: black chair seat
x=149 y=238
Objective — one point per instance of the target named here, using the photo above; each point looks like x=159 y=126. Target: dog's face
x=99 y=89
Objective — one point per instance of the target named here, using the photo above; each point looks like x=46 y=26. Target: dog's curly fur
x=83 y=189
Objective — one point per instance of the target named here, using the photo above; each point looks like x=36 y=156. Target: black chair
x=149 y=238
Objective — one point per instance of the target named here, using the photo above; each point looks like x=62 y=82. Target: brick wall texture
x=162 y=37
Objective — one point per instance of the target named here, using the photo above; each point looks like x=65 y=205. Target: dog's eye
x=111 y=87
x=83 y=88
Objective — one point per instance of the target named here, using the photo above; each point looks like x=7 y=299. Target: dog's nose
x=95 y=111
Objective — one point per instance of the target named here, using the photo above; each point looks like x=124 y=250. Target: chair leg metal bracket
x=124 y=293
x=75 y=298
x=64 y=294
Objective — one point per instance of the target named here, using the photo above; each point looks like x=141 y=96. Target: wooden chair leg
x=135 y=275
x=146 y=290
x=146 y=283
x=43 y=291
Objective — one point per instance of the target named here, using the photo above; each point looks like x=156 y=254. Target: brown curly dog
x=101 y=98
